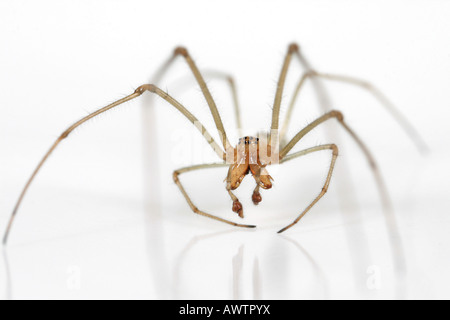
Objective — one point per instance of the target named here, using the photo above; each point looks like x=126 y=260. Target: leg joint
x=337 y=114
x=334 y=149
x=293 y=47
x=195 y=209
x=181 y=51
x=175 y=176
x=146 y=87
x=64 y=135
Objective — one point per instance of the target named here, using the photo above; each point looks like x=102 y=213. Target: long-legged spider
x=252 y=154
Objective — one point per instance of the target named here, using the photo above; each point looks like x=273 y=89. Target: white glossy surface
x=84 y=231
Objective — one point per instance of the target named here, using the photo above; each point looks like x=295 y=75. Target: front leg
x=335 y=152
x=176 y=173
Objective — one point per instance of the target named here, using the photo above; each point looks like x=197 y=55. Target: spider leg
x=334 y=150
x=330 y=115
x=176 y=173
x=232 y=83
x=204 y=88
x=139 y=91
x=279 y=93
x=222 y=76
x=288 y=116
x=382 y=99
x=390 y=218
x=212 y=73
x=391 y=223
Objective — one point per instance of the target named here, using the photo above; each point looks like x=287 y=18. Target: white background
x=84 y=230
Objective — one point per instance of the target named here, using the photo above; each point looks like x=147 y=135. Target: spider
x=251 y=155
